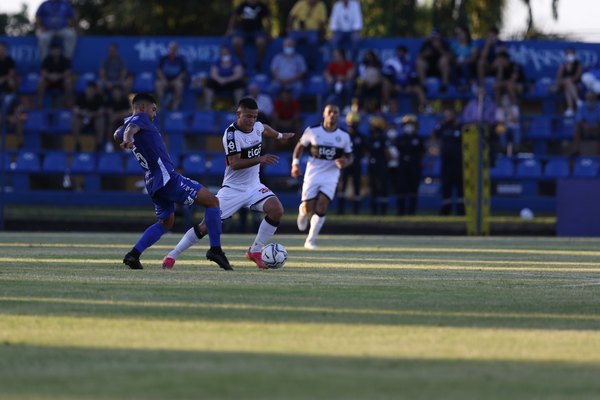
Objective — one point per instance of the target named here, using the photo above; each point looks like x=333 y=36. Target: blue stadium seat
x=432 y=167
x=283 y=168
x=261 y=80
x=176 y=122
x=83 y=163
x=427 y=124
x=586 y=167
x=538 y=127
x=55 y=162
x=143 y=82
x=205 y=122
x=60 y=122
x=110 y=163
x=82 y=81
x=27 y=161
x=36 y=122
x=29 y=83
x=216 y=165
x=194 y=165
x=529 y=168
x=315 y=85
x=225 y=120
x=310 y=119
x=503 y=169
x=132 y=166
x=557 y=168
x=432 y=86
x=566 y=128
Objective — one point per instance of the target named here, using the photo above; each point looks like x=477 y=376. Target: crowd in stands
x=480 y=73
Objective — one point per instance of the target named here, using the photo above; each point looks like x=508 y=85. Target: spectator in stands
x=306 y=24
x=250 y=24
x=339 y=76
x=12 y=116
x=369 y=82
x=9 y=80
x=88 y=115
x=226 y=76
x=481 y=110
x=508 y=125
x=264 y=101
x=587 y=122
x=568 y=78
x=171 y=75
x=56 y=18
x=487 y=54
x=56 y=75
x=346 y=23
x=400 y=78
x=434 y=60
x=113 y=71
x=288 y=69
x=448 y=136
x=286 y=113
x=464 y=58
x=379 y=154
x=411 y=149
x=117 y=108
x=510 y=77
x=353 y=171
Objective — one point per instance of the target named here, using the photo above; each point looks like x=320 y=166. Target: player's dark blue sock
x=152 y=234
x=212 y=219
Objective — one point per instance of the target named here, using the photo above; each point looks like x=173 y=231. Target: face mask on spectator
x=408 y=129
x=570 y=57
x=226 y=58
x=288 y=51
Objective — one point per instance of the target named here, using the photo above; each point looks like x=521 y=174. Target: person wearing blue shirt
x=56 y=18
x=226 y=75
x=400 y=77
x=164 y=185
x=171 y=75
x=587 y=121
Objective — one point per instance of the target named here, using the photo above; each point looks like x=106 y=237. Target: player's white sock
x=316 y=223
x=265 y=232
x=188 y=240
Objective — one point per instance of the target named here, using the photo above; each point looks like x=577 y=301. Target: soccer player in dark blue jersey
x=165 y=186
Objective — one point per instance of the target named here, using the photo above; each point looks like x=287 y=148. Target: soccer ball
x=274 y=255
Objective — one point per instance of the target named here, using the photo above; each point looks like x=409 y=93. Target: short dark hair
x=249 y=103
x=140 y=97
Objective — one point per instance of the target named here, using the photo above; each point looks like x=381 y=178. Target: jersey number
x=140 y=159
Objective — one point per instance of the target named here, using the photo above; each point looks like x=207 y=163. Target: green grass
x=361 y=318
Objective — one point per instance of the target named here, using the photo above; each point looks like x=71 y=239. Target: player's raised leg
x=274 y=212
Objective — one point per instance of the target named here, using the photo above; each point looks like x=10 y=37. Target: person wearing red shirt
x=339 y=76
x=286 y=113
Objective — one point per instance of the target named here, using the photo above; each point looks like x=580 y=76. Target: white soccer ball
x=274 y=255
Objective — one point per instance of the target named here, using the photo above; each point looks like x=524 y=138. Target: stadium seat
x=204 y=122
x=29 y=83
x=282 y=168
x=226 y=119
x=542 y=86
x=216 y=165
x=143 y=82
x=311 y=119
x=176 y=122
x=132 y=166
x=538 y=127
x=83 y=163
x=566 y=128
x=194 y=165
x=315 y=85
x=557 y=168
x=110 y=163
x=427 y=124
x=27 y=161
x=60 y=122
x=503 y=169
x=261 y=80
x=82 y=81
x=36 y=122
x=432 y=86
x=529 y=168
x=55 y=162
x=431 y=167
x=586 y=167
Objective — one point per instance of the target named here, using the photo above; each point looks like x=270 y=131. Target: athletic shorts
x=231 y=199
x=312 y=187
x=180 y=190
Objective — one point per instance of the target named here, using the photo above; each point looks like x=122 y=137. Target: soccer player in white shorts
x=241 y=186
x=330 y=150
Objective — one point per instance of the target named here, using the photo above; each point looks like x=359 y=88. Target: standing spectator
x=56 y=18
x=113 y=71
x=306 y=24
x=481 y=110
x=250 y=23
x=411 y=149
x=288 y=69
x=379 y=154
x=487 y=54
x=264 y=101
x=286 y=113
x=226 y=76
x=568 y=78
x=346 y=23
x=56 y=74
x=464 y=53
x=587 y=122
x=508 y=125
x=400 y=77
x=9 y=80
x=369 y=82
x=171 y=75
x=434 y=60
x=354 y=171
x=88 y=115
x=339 y=76
x=449 y=137
x=117 y=109
x=510 y=78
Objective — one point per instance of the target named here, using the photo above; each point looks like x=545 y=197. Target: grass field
x=361 y=318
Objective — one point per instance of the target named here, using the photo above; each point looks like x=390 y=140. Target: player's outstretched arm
x=237 y=162
x=273 y=134
x=298 y=150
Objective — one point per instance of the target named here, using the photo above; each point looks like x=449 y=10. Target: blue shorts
x=180 y=190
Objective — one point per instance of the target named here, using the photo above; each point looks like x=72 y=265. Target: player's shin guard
x=152 y=234
x=265 y=232
x=189 y=239
x=316 y=223
x=212 y=219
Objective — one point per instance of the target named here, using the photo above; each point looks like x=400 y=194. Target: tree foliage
x=16 y=24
